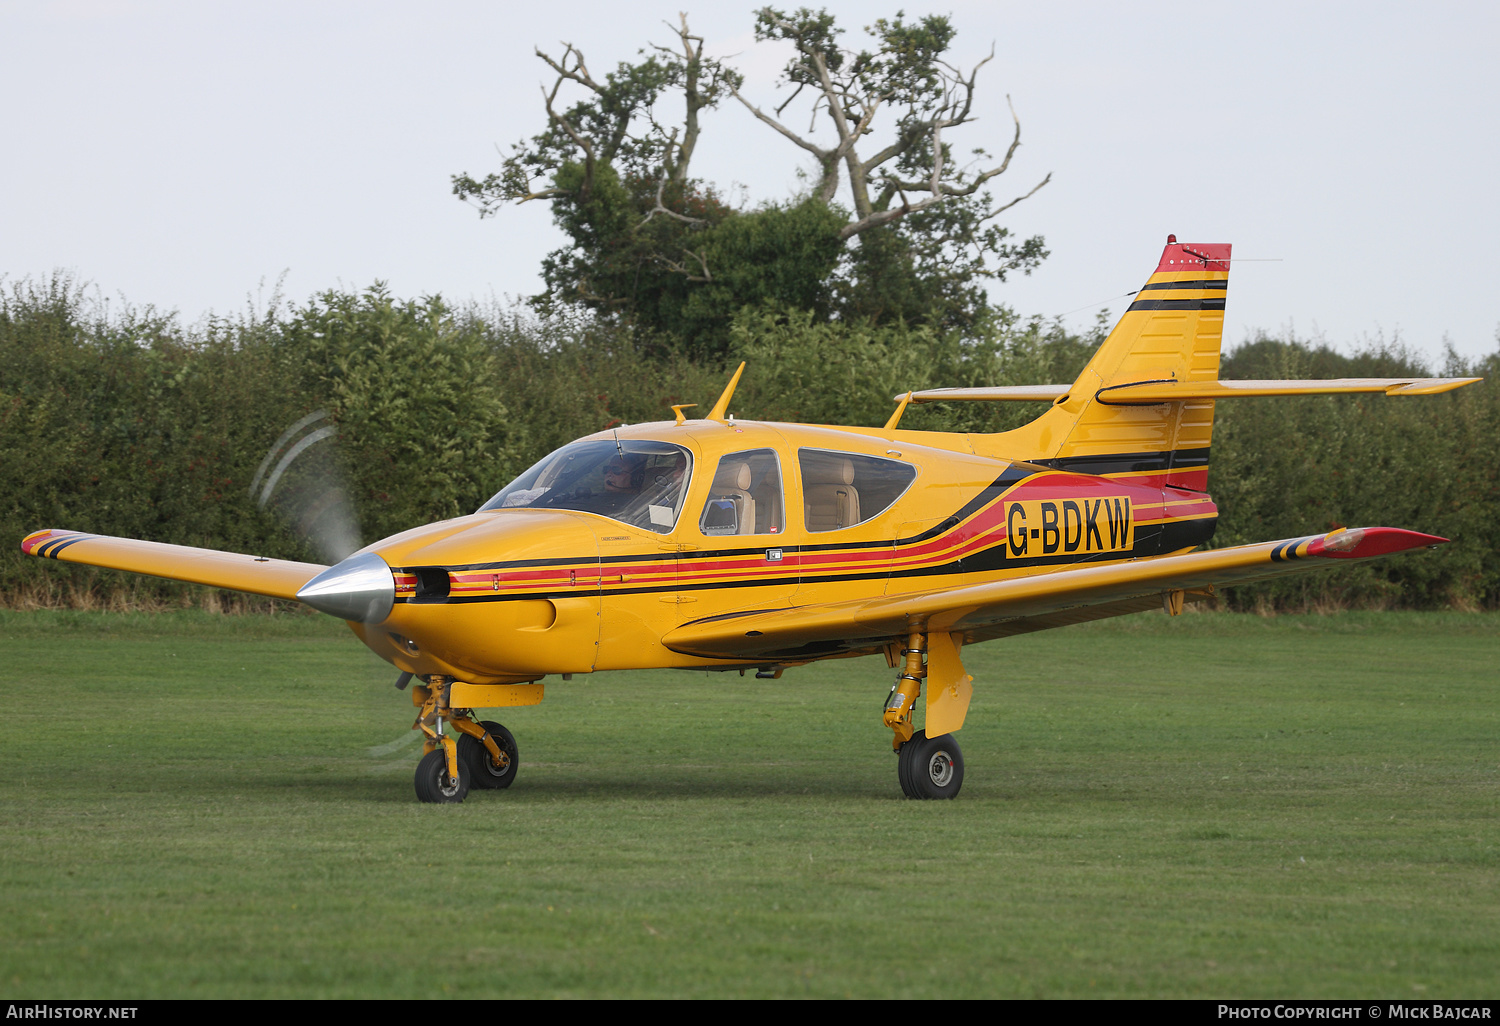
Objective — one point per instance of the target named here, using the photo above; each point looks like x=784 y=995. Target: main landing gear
x=927 y=767
x=484 y=755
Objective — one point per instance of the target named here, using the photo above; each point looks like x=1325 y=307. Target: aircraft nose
x=360 y=588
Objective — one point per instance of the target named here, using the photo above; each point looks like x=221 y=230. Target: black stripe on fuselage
x=1150 y=540
x=1130 y=462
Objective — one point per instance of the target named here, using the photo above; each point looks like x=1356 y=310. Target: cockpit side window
x=746 y=496
x=841 y=489
x=638 y=482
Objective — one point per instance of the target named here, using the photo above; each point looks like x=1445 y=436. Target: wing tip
x=49 y=541
x=1370 y=542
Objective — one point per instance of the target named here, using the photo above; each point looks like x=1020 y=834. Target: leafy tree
x=653 y=246
x=418 y=400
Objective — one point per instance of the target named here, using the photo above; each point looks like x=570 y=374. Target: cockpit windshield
x=641 y=483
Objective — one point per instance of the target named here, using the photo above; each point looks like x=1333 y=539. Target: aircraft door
x=743 y=560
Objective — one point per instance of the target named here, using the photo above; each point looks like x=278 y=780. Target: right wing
x=1019 y=604
x=278 y=578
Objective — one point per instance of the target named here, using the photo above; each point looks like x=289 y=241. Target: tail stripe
x=1178 y=304
x=1219 y=283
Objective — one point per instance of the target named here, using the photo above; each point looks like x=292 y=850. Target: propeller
x=302 y=480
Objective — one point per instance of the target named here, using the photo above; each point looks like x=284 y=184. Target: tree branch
x=674 y=266
x=812 y=148
x=662 y=208
x=580 y=72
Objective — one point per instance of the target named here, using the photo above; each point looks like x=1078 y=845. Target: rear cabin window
x=745 y=497
x=841 y=489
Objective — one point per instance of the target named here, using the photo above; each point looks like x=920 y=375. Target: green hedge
x=129 y=422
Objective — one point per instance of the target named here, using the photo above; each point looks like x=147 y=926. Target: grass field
x=1211 y=806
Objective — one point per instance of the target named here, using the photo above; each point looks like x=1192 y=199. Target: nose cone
x=360 y=588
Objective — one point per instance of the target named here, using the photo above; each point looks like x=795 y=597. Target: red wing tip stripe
x=49 y=543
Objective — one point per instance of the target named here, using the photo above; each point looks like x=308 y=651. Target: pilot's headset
x=632 y=463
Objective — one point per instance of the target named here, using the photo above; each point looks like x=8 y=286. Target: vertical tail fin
x=1172 y=331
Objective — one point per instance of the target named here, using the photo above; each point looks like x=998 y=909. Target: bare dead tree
x=907 y=72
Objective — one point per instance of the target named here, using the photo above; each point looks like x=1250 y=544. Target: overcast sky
x=181 y=154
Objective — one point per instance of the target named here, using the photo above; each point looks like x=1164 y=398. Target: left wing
x=279 y=578
x=1017 y=605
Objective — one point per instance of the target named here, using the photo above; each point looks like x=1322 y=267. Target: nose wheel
x=487 y=770
x=436 y=784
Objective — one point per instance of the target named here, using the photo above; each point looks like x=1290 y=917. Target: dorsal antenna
x=720 y=412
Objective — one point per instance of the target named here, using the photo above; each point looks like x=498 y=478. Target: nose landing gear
x=484 y=755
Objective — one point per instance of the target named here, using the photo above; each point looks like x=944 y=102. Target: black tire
x=482 y=772
x=903 y=767
x=435 y=785
x=930 y=767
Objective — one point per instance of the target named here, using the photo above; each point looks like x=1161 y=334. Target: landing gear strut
x=483 y=756
x=926 y=767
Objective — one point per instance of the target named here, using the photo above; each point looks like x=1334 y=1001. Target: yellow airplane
x=724 y=544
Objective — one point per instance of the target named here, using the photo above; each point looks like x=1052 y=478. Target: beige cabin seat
x=732 y=481
x=829 y=499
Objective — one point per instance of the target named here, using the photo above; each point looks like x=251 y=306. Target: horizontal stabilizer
x=1174 y=391
x=1141 y=392
x=1018 y=393
x=1016 y=605
x=278 y=578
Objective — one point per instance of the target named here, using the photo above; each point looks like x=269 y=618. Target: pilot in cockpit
x=624 y=474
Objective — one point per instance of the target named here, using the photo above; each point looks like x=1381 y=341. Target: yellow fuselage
x=510 y=595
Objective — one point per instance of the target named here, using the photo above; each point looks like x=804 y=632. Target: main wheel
x=482 y=772
x=930 y=767
x=903 y=767
x=435 y=785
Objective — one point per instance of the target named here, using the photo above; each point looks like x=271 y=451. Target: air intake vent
x=432 y=584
